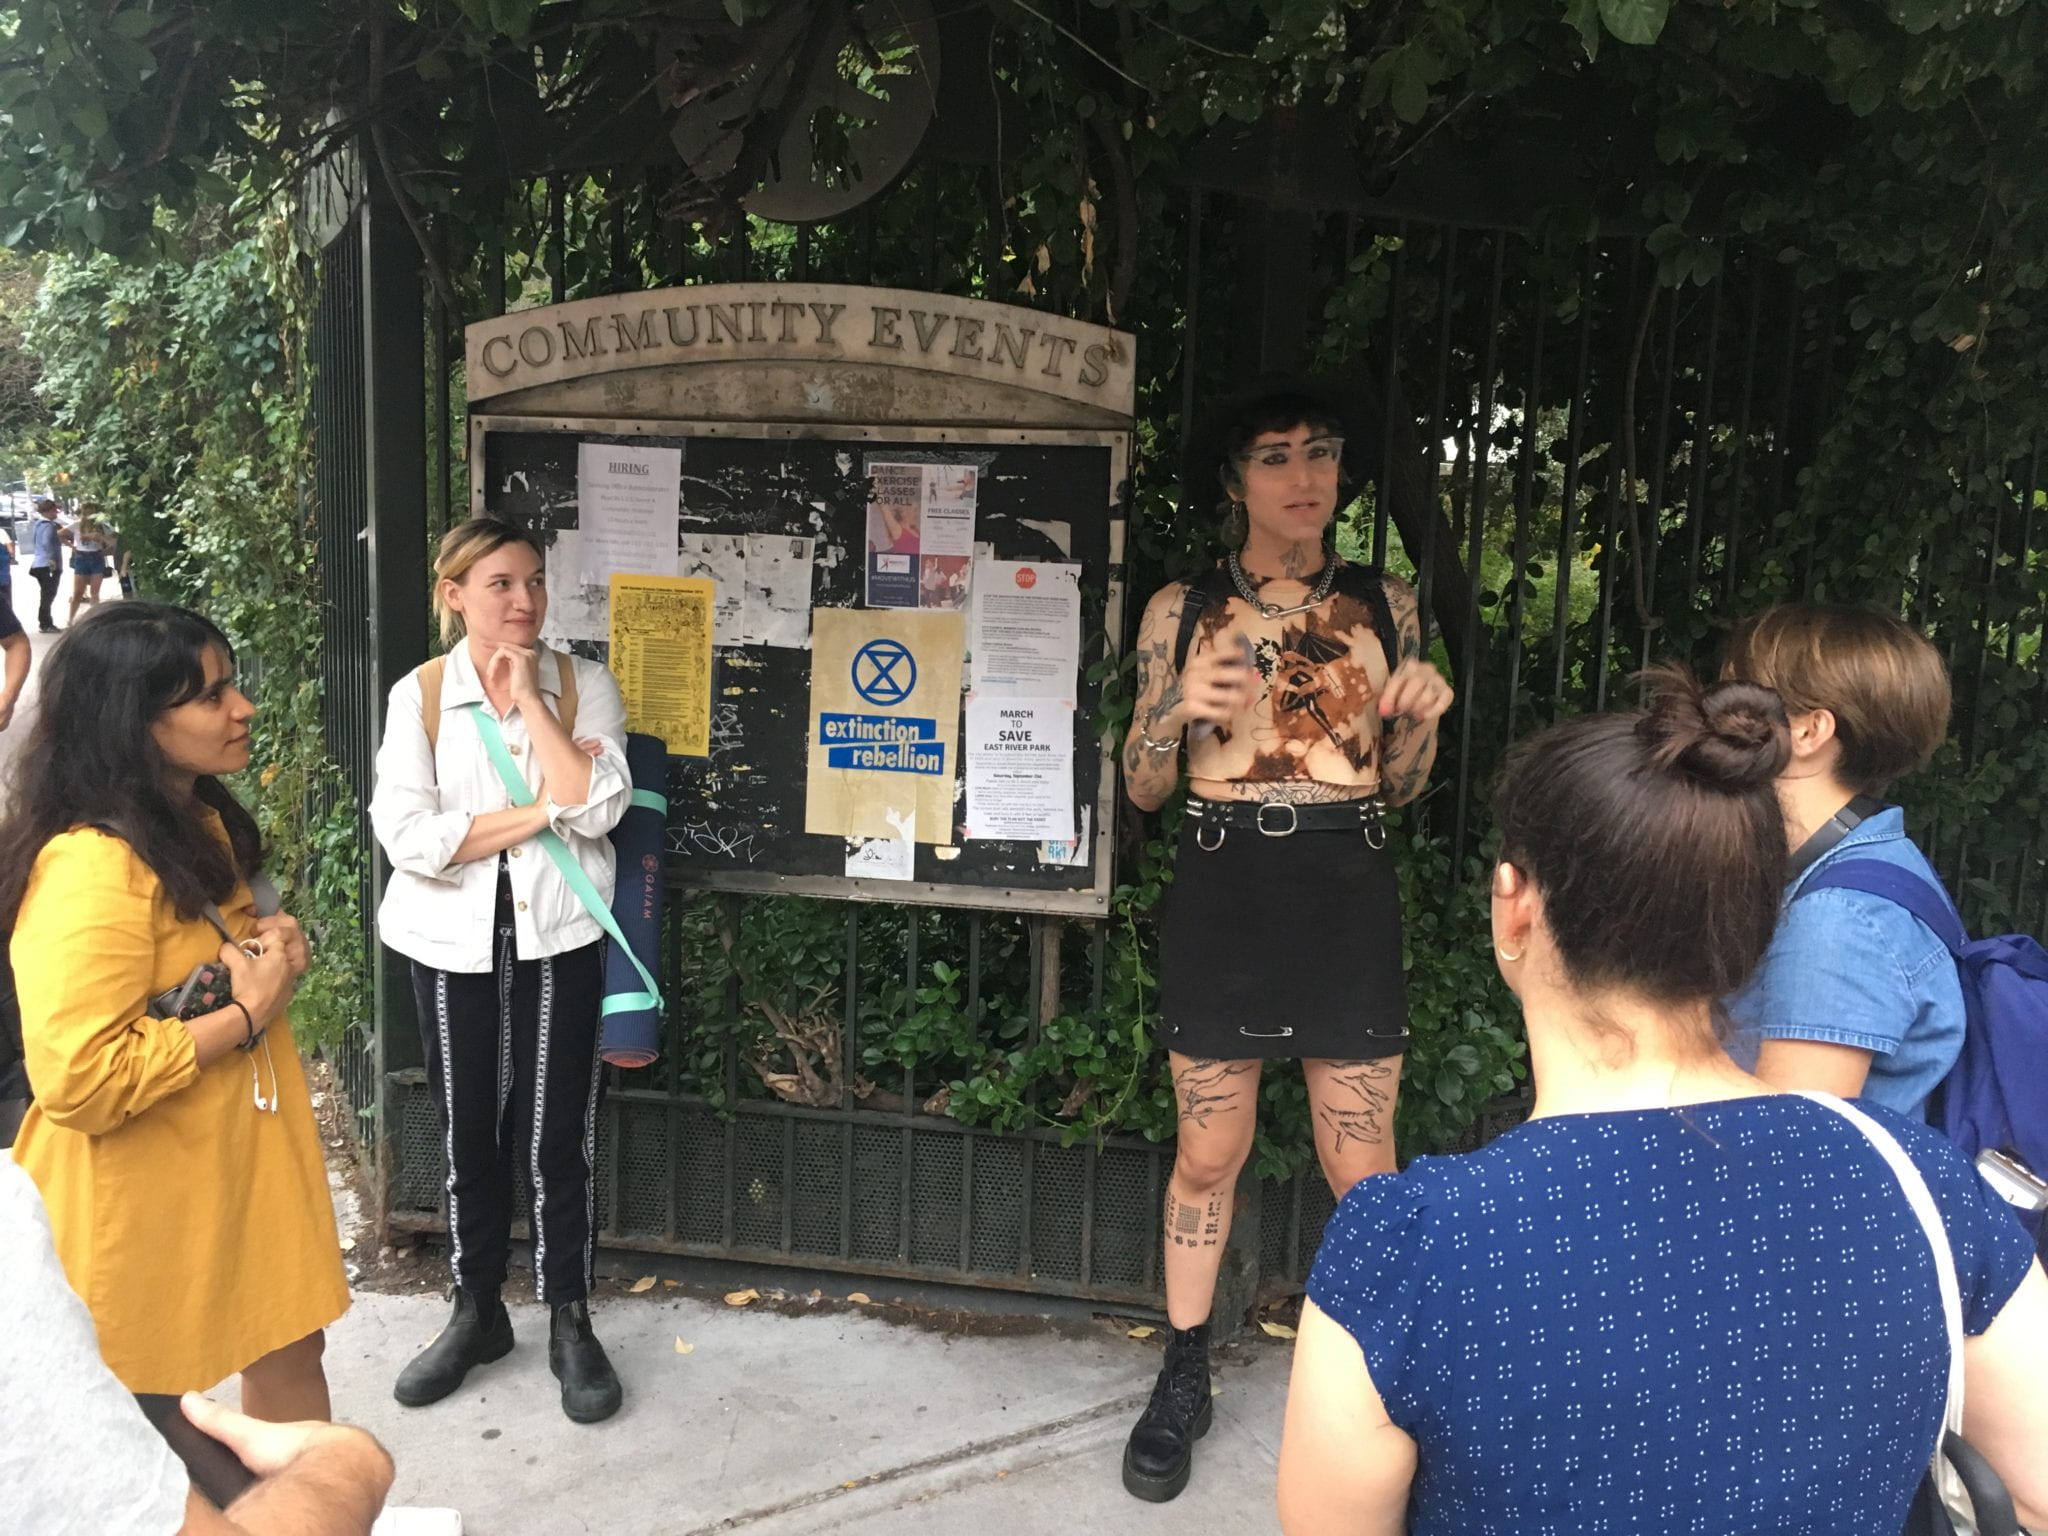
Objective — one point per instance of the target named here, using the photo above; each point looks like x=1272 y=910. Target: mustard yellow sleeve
x=84 y=952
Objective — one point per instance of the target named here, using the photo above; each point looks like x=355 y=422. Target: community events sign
x=884 y=725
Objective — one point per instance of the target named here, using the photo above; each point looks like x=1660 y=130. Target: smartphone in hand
x=1201 y=730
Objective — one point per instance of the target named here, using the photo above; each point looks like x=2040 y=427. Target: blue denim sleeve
x=1370 y=1277
x=1991 y=1248
x=1839 y=970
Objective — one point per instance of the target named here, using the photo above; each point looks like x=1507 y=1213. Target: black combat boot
x=1161 y=1449
x=590 y=1387
x=479 y=1331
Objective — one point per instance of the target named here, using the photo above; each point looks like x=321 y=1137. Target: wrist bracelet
x=248 y=1040
x=1167 y=745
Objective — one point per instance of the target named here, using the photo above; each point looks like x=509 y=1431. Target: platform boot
x=1160 y=1451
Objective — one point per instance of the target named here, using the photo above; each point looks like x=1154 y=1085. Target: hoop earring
x=1508 y=957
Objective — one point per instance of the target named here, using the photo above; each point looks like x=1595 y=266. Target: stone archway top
x=818 y=323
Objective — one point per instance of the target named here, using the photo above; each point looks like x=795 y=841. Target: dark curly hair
x=90 y=760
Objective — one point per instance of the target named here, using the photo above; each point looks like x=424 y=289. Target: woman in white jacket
x=507 y=962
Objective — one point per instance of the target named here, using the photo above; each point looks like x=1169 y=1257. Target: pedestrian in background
x=89 y=566
x=14 y=646
x=47 y=538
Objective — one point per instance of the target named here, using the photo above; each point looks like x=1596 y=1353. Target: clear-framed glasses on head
x=1318 y=453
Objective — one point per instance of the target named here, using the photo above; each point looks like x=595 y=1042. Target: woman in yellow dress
x=178 y=1156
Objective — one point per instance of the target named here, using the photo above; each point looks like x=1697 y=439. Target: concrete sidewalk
x=835 y=1421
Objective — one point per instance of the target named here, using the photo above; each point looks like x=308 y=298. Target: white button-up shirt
x=439 y=913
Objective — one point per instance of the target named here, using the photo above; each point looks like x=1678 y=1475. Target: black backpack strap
x=1197 y=597
x=1367 y=584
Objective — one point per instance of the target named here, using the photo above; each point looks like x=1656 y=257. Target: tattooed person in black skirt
x=1294 y=686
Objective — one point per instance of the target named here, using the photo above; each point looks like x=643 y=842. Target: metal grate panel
x=877 y=1194
x=820 y=1183
x=1125 y=1223
x=935 y=1200
x=1056 y=1212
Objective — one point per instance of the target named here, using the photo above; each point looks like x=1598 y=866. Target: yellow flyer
x=661 y=655
x=885 y=724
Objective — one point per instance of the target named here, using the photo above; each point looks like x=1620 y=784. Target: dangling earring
x=1237 y=526
x=1508 y=957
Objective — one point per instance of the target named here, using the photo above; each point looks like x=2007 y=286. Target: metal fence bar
x=1482 y=463
x=1568 y=515
x=1702 y=443
x=1525 y=477
x=1425 y=567
x=1660 y=457
x=1738 y=483
x=1390 y=388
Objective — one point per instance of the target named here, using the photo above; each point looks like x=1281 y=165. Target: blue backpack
x=1996 y=1095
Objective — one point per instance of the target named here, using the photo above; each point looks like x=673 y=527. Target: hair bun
x=1732 y=736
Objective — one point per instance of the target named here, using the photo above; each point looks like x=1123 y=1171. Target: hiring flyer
x=628 y=500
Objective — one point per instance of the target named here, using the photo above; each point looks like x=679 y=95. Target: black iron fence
x=1583 y=471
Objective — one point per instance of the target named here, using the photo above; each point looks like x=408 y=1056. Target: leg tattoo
x=1364 y=1099
x=1189 y=1225
x=1206 y=1088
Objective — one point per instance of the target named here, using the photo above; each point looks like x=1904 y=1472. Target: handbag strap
x=1922 y=1200
x=572 y=871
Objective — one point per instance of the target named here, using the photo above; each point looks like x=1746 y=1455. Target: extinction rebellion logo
x=884 y=674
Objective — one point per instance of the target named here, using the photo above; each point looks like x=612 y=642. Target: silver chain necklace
x=1267 y=610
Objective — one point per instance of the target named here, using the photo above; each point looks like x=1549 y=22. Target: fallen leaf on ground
x=644 y=1283
x=1142 y=1331
x=684 y=1348
x=849 y=1485
x=860 y=1298
x=670 y=1284
x=744 y=1298
x=1277 y=1330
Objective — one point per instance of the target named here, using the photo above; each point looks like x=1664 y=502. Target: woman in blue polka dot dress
x=1675 y=1300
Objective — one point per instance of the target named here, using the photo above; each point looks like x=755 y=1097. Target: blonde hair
x=1882 y=680
x=461 y=548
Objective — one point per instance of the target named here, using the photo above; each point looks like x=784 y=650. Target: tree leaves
x=1635 y=21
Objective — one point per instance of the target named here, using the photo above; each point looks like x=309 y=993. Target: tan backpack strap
x=566 y=701
x=429 y=674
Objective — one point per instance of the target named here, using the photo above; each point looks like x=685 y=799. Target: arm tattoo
x=1362 y=1100
x=1149 y=776
x=1169 y=701
x=1407 y=748
x=1206 y=1088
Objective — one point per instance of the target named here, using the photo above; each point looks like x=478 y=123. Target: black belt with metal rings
x=1283 y=818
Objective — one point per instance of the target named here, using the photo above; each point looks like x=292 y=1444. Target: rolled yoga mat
x=632 y=1017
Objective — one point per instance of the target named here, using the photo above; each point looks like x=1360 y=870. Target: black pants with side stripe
x=513 y=1067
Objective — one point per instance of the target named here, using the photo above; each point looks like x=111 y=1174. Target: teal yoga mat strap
x=648 y=800
x=580 y=884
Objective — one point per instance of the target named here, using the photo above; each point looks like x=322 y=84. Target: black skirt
x=1286 y=947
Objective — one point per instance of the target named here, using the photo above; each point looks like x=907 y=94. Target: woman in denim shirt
x=1856 y=996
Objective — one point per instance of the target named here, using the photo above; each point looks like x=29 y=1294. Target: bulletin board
x=1049 y=498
